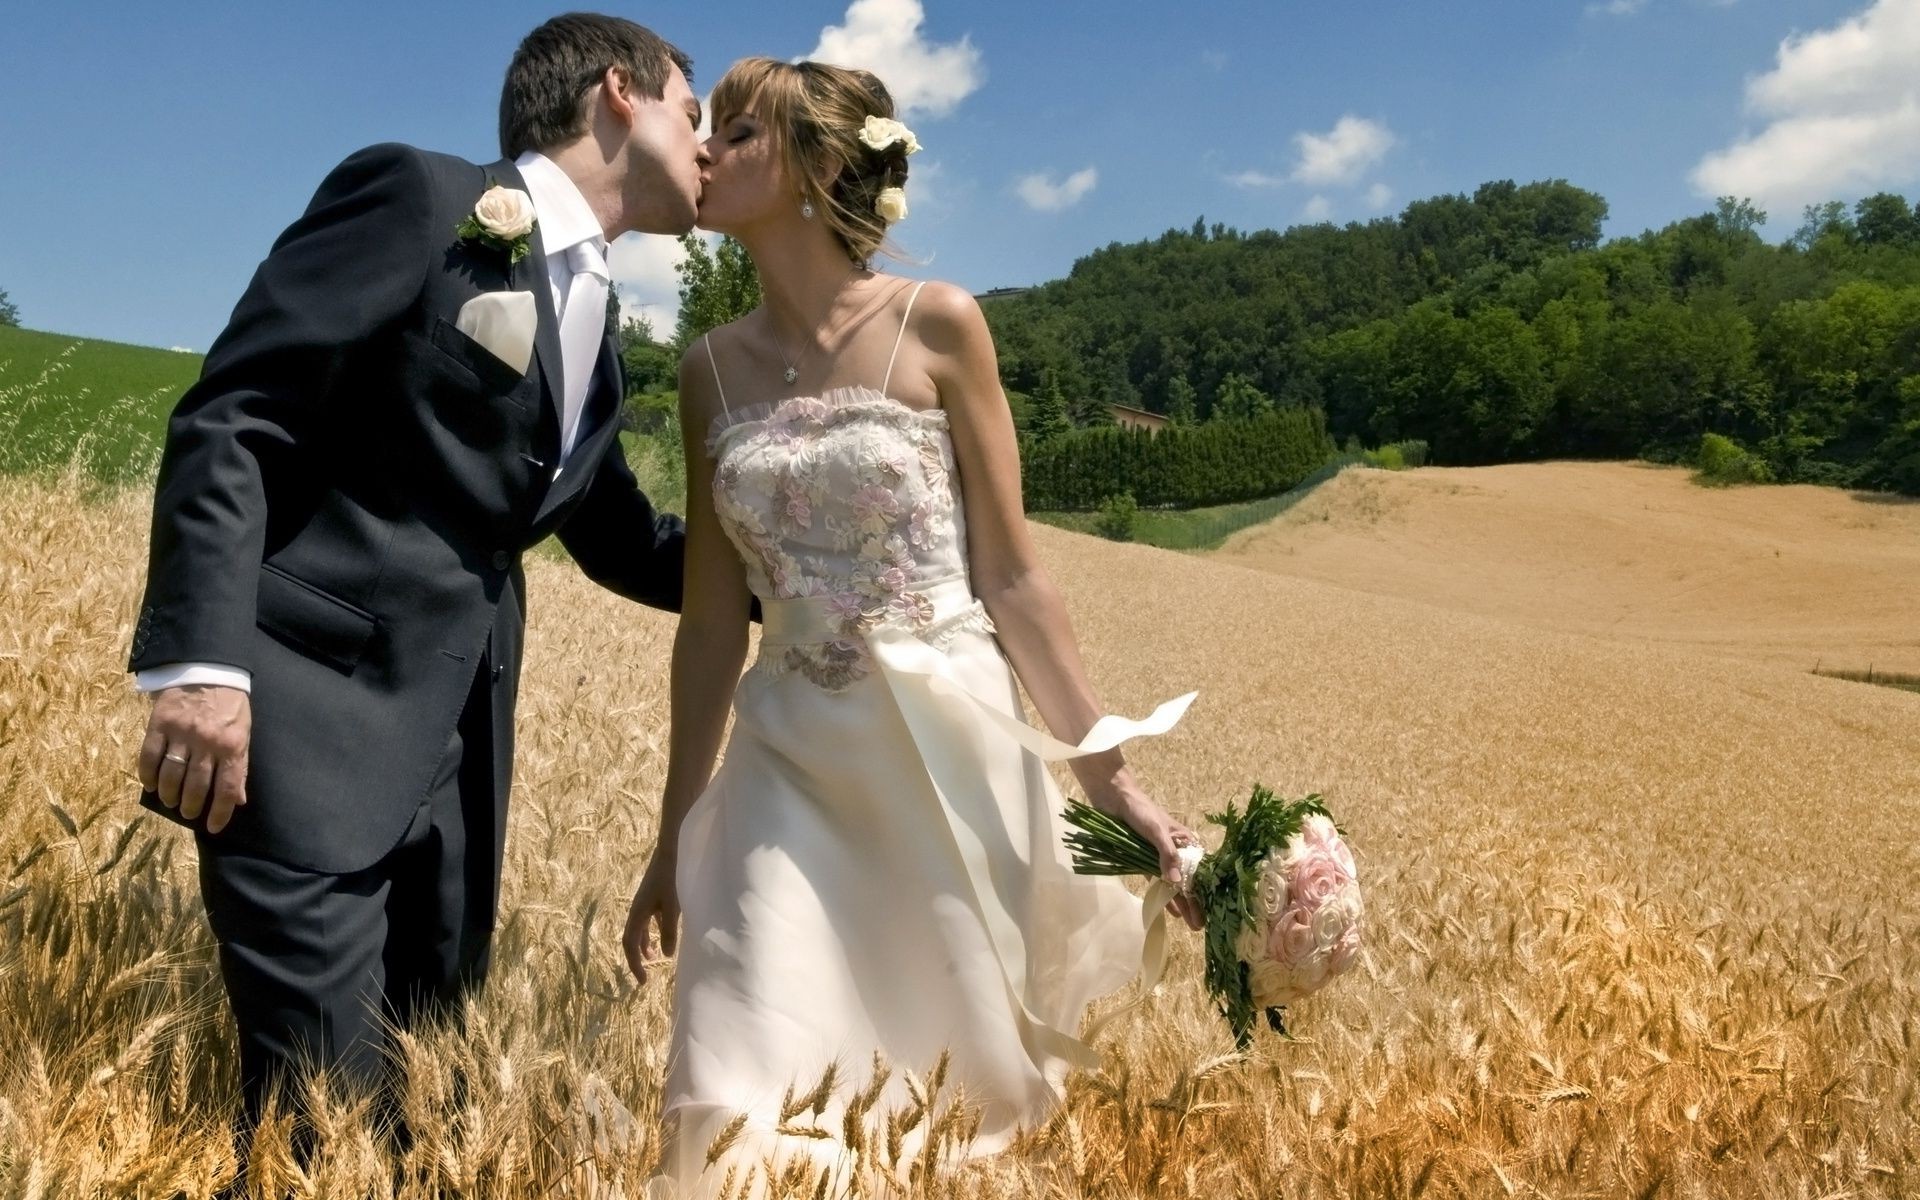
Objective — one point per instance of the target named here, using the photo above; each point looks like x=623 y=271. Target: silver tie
x=583 y=323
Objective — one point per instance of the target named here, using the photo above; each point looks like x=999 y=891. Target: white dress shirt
x=575 y=245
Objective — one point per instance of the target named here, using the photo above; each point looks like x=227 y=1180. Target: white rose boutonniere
x=891 y=204
x=880 y=132
x=502 y=218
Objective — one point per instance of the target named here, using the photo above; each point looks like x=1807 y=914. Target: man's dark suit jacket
x=345 y=495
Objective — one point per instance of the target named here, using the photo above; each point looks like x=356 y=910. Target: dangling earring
x=806 y=209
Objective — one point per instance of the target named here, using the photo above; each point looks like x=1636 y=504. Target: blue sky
x=153 y=153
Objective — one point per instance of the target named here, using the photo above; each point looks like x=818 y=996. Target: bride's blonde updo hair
x=815 y=112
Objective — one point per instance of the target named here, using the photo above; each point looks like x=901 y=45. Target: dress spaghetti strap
x=705 y=340
x=896 y=337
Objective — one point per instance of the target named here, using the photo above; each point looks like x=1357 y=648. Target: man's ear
x=619 y=95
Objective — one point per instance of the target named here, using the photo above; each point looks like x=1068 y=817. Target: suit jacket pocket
x=493 y=376
x=317 y=623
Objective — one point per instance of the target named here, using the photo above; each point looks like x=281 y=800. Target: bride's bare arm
x=1026 y=607
x=711 y=643
x=709 y=649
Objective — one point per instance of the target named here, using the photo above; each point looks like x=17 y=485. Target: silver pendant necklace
x=793 y=372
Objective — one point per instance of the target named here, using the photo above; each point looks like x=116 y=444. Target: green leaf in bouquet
x=1228 y=888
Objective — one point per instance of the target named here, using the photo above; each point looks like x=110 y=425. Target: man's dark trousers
x=319 y=967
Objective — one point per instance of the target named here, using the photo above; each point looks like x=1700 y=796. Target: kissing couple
x=421 y=382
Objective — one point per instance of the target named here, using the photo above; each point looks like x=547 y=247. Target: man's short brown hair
x=543 y=101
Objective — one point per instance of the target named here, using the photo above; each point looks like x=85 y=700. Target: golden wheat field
x=1800 y=577
x=1644 y=921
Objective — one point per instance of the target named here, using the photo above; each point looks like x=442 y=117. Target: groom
x=419 y=384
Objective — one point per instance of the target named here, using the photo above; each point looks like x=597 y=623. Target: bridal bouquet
x=1280 y=898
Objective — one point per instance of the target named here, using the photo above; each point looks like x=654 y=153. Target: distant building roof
x=1137 y=418
x=995 y=293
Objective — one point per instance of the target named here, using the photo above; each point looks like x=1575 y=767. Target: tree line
x=1499 y=327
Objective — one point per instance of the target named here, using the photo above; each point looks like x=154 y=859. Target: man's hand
x=196 y=751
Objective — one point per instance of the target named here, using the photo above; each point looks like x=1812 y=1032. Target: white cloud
x=1344 y=153
x=1044 y=195
x=183 y=349
x=1843 y=106
x=1379 y=196
x=1805 y=160
x=884 y=36
x=643 y=267
x=1864 y=60
x=1318 y=209
x=1256 y=179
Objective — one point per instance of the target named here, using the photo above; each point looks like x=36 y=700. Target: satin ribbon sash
x=952 y=726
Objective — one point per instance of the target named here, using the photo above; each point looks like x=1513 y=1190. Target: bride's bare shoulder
x=958 y=346
x=722 y=337
x=701 y=363
x=946 y=309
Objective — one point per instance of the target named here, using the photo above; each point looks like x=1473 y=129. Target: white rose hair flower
x=881 y=132
x=891 y=204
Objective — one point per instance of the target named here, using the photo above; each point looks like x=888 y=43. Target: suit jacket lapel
x=602 y=414
x=530 y=275
x=604 y=396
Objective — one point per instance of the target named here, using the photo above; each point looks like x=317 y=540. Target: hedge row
x=1221 y=462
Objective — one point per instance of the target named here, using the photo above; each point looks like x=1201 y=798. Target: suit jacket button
x=501 y=560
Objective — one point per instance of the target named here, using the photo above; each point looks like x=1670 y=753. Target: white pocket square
x=503 y=322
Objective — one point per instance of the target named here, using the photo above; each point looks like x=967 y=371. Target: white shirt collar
x=566 y=218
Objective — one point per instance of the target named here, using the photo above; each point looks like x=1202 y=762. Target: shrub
x=1396 y=456
x=1722 y=461
x=1118 y=518
x=1826 y=473
x=652 y=413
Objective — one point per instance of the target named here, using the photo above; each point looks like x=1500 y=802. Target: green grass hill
x=100 y=406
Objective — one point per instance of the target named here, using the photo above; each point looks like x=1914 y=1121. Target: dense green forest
x=1498 y=327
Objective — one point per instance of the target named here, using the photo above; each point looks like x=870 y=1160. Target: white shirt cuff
x=184 y=674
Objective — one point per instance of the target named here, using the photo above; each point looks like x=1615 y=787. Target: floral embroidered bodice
x=847 y=501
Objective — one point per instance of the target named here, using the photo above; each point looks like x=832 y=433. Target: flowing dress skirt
x=880 y=869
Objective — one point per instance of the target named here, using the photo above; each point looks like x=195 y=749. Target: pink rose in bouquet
x=1280 y=899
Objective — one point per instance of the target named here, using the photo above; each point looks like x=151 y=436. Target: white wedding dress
x=877 y=865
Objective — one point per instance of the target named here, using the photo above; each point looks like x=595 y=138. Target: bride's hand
x=1166 y=835
x=654 y=900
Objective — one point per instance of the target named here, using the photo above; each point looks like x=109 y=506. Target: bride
x=876 y=867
